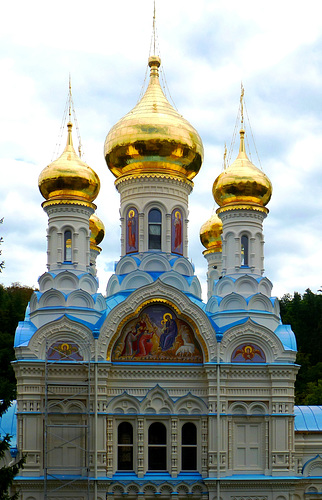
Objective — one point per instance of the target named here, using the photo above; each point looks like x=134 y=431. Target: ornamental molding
x=62 y=329
x=69 y=207
x=156 y=177
x=157 y=292
x=251 y=332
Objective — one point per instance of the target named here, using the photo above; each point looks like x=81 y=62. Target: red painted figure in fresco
x=131 y=229
x=177 y=229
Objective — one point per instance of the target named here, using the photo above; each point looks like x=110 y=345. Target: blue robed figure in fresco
x=169 y=332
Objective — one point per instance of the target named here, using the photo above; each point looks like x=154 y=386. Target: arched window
x=189 y=447
x=244 y=250
x=155 y=223
x=125 y=446
x=157 y=446
x=68 y=246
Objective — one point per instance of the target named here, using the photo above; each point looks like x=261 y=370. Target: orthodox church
x=149 y=391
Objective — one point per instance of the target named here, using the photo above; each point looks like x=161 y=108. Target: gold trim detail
x=158 y=301
x=153 y=176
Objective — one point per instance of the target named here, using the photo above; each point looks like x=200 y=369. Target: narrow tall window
x=125 y=446
x=155 y=223
x=68 y=246
x=189 y=447
x=157 y=446
x=244 y=250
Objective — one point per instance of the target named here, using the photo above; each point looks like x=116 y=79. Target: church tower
x=154 y=154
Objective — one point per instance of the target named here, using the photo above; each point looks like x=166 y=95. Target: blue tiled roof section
x=8 y=424
x=24 y=332
x=286 y=336
x=116 y=299
x=196 y=300
x=308 y=418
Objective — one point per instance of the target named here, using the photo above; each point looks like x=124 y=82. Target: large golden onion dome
x=153 y=137
x=68 y=177
x=242 y=183
x=97 y=229
x=210 y=234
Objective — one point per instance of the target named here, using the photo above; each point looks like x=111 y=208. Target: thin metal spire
x=242 y=105
x=154 y=34
x=70 y=99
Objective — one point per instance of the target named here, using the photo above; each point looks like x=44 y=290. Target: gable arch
x=126 y=265
x=190 y=404
x=63 y=330
x=124 y=404
x=233 y=301
x=250 y=332
x=80 y=298
x=52 y=298
x=155 y=263
x=160 y=293
x=260 y=302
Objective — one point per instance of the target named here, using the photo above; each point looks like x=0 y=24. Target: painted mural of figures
x=157 y=334
x=169 y=332
x=177 y=231
x=188 y=347
x=132 y=226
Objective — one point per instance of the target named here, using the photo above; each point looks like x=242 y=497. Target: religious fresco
x=64 y=351
x=176 y=232
x=248 y=353
x=157 y=335
x=132 y=230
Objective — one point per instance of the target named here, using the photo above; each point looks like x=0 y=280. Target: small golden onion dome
x=242 y=183
x=210 y=234
x=68 y=177
x=153 y=137
x=97 y=229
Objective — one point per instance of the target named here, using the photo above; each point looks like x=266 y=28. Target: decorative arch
x=157 y=334
x=155 y=262
x=126 y=265
x=136 y=280
x=80 y=298
x=183 y=266
x=63 y=330
x=254 y=334
x=52 y=298
x=66 y=281
x=313 y=467
x=232 y=302
x=160 y=293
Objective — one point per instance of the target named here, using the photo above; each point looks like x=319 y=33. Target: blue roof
x=8 y=424
x=308 y=418
x=286 y=336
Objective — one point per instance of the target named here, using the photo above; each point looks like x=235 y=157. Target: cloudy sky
x=207 y=48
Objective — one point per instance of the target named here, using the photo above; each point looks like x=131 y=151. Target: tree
x=1 y=241
x=304 y=314
x=8 y=472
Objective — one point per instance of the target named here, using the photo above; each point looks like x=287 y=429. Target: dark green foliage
x=13 y=302
x=7 y=473
x=304 y=314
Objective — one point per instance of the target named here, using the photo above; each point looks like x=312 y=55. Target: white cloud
x=206 y=49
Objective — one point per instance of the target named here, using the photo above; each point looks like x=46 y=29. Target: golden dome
x=68 y=177
x=242 y=183
x=210 y=234
x=97 y=229
x=153 y=137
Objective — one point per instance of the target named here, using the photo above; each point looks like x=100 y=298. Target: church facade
x=149 y=391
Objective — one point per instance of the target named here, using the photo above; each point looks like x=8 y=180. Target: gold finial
x=242 y=105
